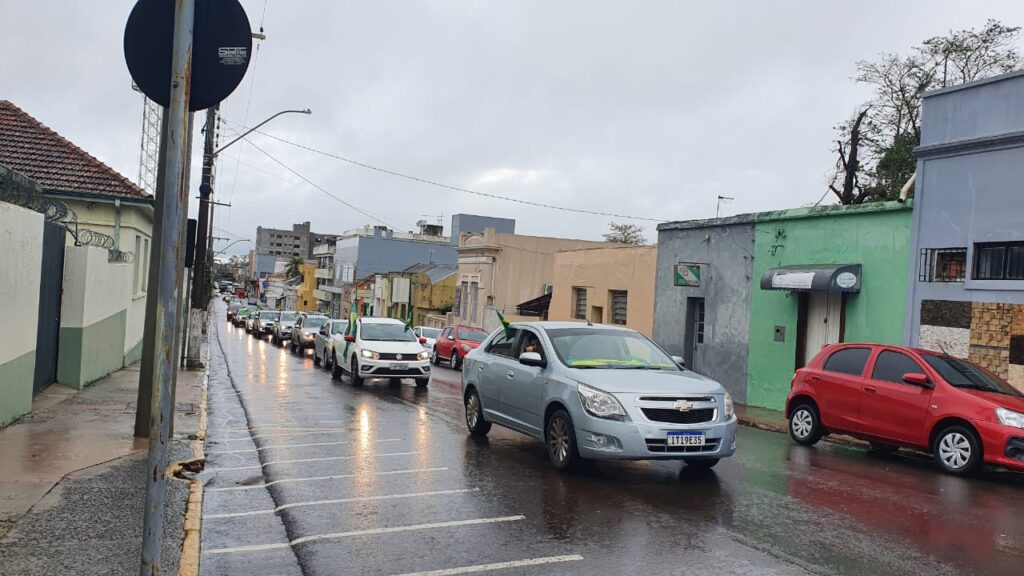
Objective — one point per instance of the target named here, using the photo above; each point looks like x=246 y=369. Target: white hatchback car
x=381 y=348
x=430 y=334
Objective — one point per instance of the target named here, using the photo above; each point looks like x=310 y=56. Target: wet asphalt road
x=306 y=475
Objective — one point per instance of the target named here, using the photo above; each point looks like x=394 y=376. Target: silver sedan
x=597 y=392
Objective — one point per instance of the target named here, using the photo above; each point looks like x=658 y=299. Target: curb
x=784 y=429
x=190 y=549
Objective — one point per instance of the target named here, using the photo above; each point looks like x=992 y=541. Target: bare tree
x=848 y=164
x=626 y=234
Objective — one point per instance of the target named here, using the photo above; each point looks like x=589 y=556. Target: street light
x=225 y=249
x=256 y=127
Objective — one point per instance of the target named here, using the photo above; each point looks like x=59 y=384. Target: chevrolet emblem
x=682 y=405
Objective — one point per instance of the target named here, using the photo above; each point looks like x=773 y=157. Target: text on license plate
x=685 y=439
x=397 y=366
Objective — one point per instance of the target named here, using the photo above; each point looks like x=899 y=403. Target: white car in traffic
x=381 y=348
x=427 y=333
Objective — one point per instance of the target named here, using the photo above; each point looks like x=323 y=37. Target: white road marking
x=320 y=431
x=294 y=446
x=315 y=478
x=285 y=428
x=340 y=501
x=372 y=531
x=350 y=457
x=498 y=566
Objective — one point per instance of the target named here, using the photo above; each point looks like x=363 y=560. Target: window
x=943 y=265
x=138 y=264
x=848 y=361
x=530 y=342
x=447 y=333
x=145 y=264
x=618 y=300
x=502 y=343
x=891 y=366
x=581 y=303
x=999 y=261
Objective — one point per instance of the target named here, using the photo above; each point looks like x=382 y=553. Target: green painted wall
x=90 y=353
x=876 y=236
x=134 y=354
x=16 y=378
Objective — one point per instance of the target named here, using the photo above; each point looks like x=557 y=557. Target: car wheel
x=395 y=381
x=335 y=368
x=422 y=383
x=883 y=448
x=316 y=359
x=560 y=439
x=456 y=364
x=701 y=463
x=475 y=415
x=804 y=425
x=357 y=380
x=957 y=450
x=434 y=361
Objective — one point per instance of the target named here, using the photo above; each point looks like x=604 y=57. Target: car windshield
x=381 y=331
x=338 y=327
x=289 y=316
x=268 y=315
x=314 y=322
x=601 y=348
x=963 y=374
x=429 y=332
x=472 y=335
x=234 y=306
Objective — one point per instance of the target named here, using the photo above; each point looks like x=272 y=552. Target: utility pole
x=200 y=284
x=162 y=307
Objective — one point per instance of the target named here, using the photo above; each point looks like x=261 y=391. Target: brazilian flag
x=504 y=323
x=351 y=329
x=408 y=322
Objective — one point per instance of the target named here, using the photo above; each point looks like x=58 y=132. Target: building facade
x=749 y=299
x=499 y=272
x=610 y=285
x=966 y=293
x=298 y=242
x=421 y=290
x=327 y=295
x=462 y=223
x=379 y=250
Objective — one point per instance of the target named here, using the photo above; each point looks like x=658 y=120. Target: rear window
x=848 y=361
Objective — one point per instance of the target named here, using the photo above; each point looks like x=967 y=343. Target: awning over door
x=820 y=278
x=536 y=307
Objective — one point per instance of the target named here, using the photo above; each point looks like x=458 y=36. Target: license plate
x=397 y=366
x=685 y=439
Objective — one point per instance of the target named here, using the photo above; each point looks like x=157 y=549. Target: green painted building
x=776 y=286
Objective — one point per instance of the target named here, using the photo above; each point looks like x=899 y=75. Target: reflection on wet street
x=309 y=475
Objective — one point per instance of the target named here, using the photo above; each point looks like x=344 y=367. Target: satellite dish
x=221 y=50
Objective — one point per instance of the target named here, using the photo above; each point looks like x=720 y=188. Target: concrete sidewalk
x=72 y=480
x=776 y=421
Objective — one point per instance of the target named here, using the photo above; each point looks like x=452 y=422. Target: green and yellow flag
x=408 y=322
x=505 y=324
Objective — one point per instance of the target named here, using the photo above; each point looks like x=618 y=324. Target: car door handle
x=510 y=374
x=870 y=390
x=814 y=379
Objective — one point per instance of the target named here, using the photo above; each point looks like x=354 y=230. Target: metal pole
x=199 y=300
x=184 y=333
x=173 y=204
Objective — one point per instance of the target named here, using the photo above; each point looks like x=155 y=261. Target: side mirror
x=679 y=361
x=350 y=338
x=423 y=340
x=917 y=379
x=532 y=359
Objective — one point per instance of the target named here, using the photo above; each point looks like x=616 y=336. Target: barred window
x=581 y=303
x=619 y=305
x=999 y=261
x=943 y=265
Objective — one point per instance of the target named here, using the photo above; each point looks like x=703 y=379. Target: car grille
x=671 y=416
x=406 y=356
x=659 y=445
x=675 y=398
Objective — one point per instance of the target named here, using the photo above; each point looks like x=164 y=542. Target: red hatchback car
x=893 y=396
x=454 y=343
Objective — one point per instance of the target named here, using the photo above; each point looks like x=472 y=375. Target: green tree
x=625 y=234
x=292 y=269
x=882 y=136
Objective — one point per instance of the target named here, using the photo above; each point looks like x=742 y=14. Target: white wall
x=94 y=289
x=21 y=239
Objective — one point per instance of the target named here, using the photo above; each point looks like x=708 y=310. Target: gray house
x=966 y=292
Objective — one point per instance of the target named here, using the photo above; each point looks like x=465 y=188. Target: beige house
x=501 y=272
x=611 y=285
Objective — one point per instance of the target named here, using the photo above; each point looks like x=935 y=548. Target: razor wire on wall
x=21 y=191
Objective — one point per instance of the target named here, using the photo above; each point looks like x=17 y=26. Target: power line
x=456 y=188
x=321 y=189
x=248 y=101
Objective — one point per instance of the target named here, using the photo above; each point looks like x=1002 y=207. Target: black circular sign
x=221 y=49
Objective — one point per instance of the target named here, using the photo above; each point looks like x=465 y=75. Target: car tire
x=475 y=421
x=395 y=381
x=335 y=368
x=455 y=363
x=422 y=382
x=316 y=359
x=958 y=450
x=805 y=424
x=357 y=380
x=434 y=360
x=701 y=463
x=883 y=448
x=291 y=345
x=560 y=441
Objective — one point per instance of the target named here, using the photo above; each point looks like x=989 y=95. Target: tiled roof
x=29 y=147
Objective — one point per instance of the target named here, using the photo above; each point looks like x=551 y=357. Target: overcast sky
x=650 y=109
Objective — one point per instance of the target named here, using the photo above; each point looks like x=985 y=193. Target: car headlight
x=600 y=403
x=730 y=410
x=423 y=355
x=369 y=354
x=330 y=345
x=1010 y=418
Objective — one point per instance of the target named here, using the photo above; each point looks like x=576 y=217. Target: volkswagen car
x=895 y=397
x=596 y=392
x=381 y=348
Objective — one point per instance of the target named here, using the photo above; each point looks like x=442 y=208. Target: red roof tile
x=29 y=147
